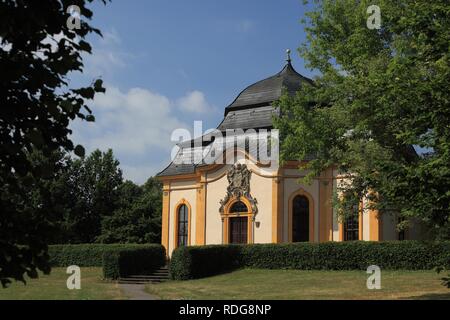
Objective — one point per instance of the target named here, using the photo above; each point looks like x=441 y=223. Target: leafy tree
x=87 y=201
x=37 y=52
x=379 y=93
x=151 y=202
x=35 y=203
x=138 y=216
x=92 y=192
x=49 y=195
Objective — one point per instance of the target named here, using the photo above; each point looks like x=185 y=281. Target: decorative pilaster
x=277 y=207
x=200 y=221
x=374 y=225
x=325 y=206
x=165 y=216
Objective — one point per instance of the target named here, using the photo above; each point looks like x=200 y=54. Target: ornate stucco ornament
x=238 y=186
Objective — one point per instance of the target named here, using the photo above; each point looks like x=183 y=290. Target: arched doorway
x=238 y=226
x=300 y=219
x=237 y=222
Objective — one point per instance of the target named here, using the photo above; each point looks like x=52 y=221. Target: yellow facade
x=274 y=189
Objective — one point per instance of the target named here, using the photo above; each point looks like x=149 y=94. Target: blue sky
x=166 y=63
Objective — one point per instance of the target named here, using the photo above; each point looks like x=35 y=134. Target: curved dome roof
x=268 y=90
x=251 y=109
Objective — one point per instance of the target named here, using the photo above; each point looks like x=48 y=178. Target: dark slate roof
x=177 y=169
x=186 y=155
x=270 y=89
x=252 y=109
x=256 y=118
x=185 y=161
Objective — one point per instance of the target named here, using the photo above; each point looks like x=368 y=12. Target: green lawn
x=299 y=284
x=243 y=284
x=53 y=287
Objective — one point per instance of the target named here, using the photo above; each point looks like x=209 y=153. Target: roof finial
x=288 y=55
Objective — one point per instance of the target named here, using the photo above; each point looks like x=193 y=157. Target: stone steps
x=157 y=276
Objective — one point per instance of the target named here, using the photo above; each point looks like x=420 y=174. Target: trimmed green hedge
x=116 y=259
x=201 y=261
x=82 y=255
x=122 y=262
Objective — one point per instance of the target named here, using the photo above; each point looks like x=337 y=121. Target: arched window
x=238 y=206
x=183 y=225
x=351 y=229
x=300 y=219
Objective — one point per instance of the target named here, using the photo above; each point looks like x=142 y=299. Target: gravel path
x=136 y=292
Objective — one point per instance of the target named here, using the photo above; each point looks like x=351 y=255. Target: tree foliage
x=137 y=218
x=91 y=191
x=37 y=52
x=86 y=200
x=91 y=202
x=379 y=93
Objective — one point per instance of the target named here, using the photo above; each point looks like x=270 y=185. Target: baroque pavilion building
x=251 y=202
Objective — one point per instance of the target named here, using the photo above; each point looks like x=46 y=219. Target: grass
x=53 y=287
x=242 y=284
x=300 y=284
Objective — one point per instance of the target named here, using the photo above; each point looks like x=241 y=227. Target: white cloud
x=130 y=123
x=102 y=62
x=137 y=125
x=195 y=102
